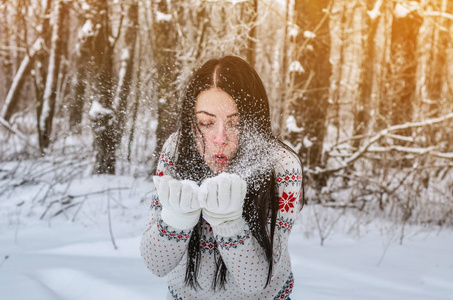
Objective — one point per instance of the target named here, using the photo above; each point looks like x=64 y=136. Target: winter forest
x=362 y=90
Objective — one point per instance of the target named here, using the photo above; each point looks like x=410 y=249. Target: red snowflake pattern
x=286 y=202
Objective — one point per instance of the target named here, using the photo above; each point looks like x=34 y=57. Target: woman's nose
x=221 y=136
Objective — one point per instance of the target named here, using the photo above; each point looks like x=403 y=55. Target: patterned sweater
x=164 y=248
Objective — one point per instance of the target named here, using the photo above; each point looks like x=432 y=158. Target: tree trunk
x=437 y=66
x=42 y=61
x=201 y=22
x=251 y=49
x=26 y=65
x=338 y=74
x=50 y=92
x=82 y=58
x=364 y=102
x=165 y=69
x=8 y=70
x=18 y=32
x=282 y=105
x=312 y=104
x=126 y=69
x=437 y=75
x=397 y=106
x=138 y=95
x=101 y=112
x=12 y=98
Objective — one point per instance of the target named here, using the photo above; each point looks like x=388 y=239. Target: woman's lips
x=220 y=158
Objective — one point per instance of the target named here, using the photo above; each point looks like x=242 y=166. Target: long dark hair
x=237 y=78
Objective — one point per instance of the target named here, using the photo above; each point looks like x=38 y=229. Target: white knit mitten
x=179 y=200
x=222 y=198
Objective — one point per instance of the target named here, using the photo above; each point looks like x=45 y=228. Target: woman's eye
x=205 y=124
x=234 y=125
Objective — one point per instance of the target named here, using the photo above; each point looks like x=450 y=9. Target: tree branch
x=365 y=148
x=438 y=14
x=120 y=27
x=18 y=133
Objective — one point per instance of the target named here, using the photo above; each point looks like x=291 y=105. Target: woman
x=227 y=193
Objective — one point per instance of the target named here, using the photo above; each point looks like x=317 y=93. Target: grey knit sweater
x=164 y=248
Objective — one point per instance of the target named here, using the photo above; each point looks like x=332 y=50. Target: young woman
x=227 y=193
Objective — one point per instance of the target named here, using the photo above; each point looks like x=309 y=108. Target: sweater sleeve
x=243 y=256
x=162 y=246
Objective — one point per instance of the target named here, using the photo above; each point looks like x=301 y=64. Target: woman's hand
x=222 y=197
x=179 y=200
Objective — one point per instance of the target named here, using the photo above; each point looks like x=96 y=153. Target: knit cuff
x=172 y=233
x=231 y=228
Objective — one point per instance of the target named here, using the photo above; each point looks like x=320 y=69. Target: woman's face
x=217 y=118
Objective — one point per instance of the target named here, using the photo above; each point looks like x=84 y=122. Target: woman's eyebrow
x=213 y=115
x=206 y=113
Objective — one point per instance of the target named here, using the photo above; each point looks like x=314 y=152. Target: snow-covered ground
x=71 y=256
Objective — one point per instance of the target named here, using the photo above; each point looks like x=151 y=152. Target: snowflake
x=286 y=202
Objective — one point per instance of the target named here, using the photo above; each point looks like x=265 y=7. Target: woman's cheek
x=204 y=141
x=234 y=142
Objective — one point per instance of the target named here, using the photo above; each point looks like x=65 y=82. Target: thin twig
x=389 y=130
x=68 y=198
x=110 y=222
x=18 y=133
x=79 y=208
x=377 y=137
x=4 y=259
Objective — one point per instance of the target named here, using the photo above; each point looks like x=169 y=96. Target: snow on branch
x=438 y=14
x=18 y=133
x=19 y=77
x=400 y=149
x=401 y=137
x=293 y=31
x=376 y=11
x=125 y=57
x=309 y=34
x=386 y=133
x=291 y=125
x=97 y=111
x=162 y=17
x=87 y=29
x=396 y=128
x=397 y=148
x=295 y=66
x=411 y=150
x=404 y=9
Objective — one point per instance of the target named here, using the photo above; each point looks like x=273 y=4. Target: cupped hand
x=222 y=197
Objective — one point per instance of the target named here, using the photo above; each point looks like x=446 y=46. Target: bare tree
x=364 y=102
x=6 y=35
x=50 y=92
x=82 y=56
x=42 y=61
x=341 y=19
x=251 y=50
x=281 y=106
x=397 y=106
x=165 y=39
x=313 y=55
x=101 y=112
x=136 y=103
x=437 y=68
x=25 y=64
x=126 y=70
